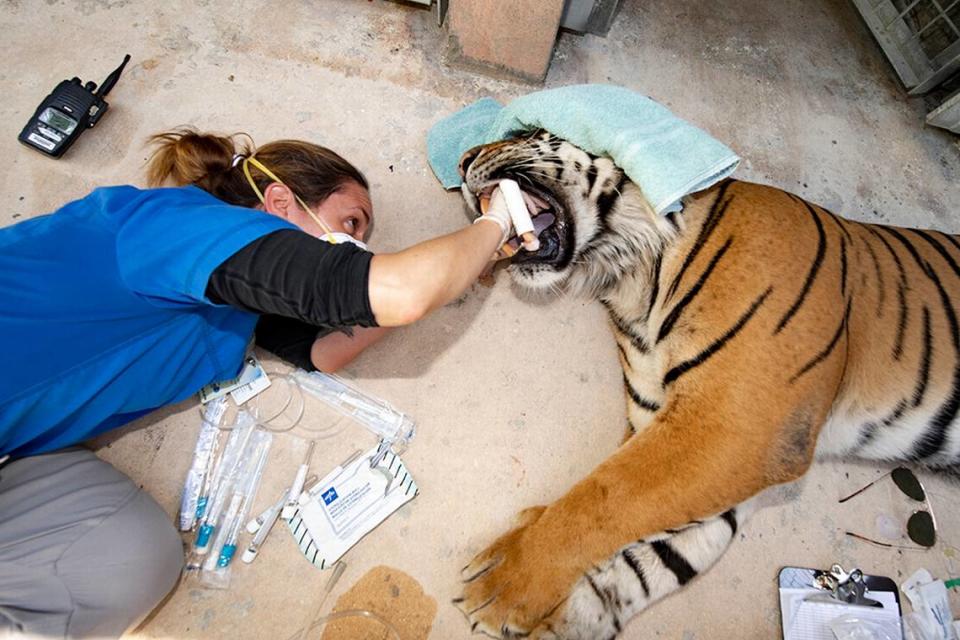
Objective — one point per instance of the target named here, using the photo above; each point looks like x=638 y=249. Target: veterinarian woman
x=129 y=299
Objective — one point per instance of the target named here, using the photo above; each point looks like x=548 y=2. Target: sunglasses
x=921 y=527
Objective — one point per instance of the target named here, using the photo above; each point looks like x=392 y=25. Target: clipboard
x=810 y=599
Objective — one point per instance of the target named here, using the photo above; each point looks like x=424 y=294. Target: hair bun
x=185 y=156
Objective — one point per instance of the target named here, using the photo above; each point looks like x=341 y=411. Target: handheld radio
x=69 y=110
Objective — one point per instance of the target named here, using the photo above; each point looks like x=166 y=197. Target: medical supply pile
x=931 y=618
x=230 y=456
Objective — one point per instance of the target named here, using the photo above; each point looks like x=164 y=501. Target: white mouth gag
x=525 y=212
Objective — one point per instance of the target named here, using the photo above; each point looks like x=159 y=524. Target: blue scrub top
x=103 y=316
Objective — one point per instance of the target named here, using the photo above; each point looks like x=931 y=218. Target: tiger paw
x=517 y=583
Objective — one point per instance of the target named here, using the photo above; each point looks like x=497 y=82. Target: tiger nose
x=467 y=159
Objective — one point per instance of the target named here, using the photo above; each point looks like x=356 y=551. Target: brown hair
x=185 y=156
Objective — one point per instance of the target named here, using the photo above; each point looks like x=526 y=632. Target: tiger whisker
x=539 y=174
x=533 y=162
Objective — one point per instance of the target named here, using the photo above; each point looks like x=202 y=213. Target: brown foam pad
x=392 y=595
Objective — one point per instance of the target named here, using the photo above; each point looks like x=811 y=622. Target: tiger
x=756 y=332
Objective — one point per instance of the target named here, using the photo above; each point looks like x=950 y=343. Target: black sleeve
x=303 y=288
x=289 y=339
x=291 y=274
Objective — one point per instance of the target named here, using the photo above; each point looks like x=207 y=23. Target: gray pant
x=84 y=552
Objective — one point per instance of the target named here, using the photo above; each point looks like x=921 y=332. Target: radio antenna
x=112 y=78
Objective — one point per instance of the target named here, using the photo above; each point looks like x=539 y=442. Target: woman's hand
x=495 y=210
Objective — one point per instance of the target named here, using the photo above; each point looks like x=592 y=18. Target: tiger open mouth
x=550 y=222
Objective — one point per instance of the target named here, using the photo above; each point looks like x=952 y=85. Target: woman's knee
x=120 y=570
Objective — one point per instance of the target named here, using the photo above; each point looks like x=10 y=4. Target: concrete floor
x=799 y=89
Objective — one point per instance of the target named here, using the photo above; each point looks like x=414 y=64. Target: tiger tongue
x=543 y=221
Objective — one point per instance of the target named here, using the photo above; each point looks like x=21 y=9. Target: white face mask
x=338 y=237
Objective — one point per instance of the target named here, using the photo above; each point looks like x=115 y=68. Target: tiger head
x=595 y=225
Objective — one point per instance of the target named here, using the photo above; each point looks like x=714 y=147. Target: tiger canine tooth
x=517 y=207
x=530 y=241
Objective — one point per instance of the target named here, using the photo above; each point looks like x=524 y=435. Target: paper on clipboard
x=805 y=619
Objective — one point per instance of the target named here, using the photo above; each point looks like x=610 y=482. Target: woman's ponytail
x=185 y=156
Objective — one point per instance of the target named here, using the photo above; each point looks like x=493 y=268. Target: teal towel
x=665 y=156
x=451 y=137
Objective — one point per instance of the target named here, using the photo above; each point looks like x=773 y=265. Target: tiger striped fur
x=755 y=331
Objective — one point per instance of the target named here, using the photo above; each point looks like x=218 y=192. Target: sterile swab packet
x=204 y=454
x=224 y=478
x=247 y=490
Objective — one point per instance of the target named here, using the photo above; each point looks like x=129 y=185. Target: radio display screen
x=58 y=120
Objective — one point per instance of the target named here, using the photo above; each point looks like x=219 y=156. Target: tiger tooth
x=530 y=241
x=534 y=206
x=504 y=252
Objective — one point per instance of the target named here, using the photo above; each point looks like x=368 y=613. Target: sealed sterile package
x=853 y=627
x=931 y=607
x=348 y=503
x=377 y=415
x=224 y=477
x=215 y=577
x=216 y=566
x=252 y=375
x=916 y=627
x=204 y=457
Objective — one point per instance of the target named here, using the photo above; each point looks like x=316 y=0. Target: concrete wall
x=506 y=38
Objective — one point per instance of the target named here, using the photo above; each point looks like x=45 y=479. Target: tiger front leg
x=675 y=472
x=609 y=594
